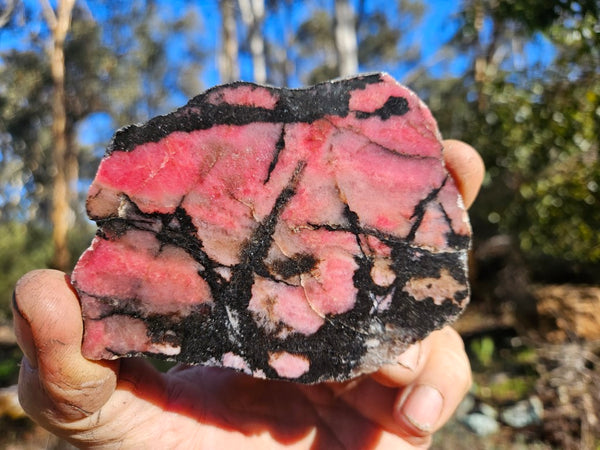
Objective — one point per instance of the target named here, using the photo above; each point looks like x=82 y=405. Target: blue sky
x=436 y=28
x=431 y=33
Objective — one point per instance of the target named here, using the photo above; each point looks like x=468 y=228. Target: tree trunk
x=228 y=55
x=59 y=23
x=345 y=38
x=480 y=59
x=486 y=59
x=253 y=15
x=279 y=57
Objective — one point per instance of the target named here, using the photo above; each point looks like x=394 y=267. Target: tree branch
x=5 y=15
x=49 y=14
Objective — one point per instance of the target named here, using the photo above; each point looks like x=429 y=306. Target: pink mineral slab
x=300 y=234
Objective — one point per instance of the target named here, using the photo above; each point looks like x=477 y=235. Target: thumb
x=56 y=384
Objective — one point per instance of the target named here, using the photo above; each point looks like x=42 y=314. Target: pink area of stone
x=245 y=95
x=288 y=365
x=274 y=305
x=234 y=361
x=228 y=200
x=137 y=268
x=449 y=196
x=420 y=134
x=120 y=334
x=316 y=196
x=384 y=187
x=329 y=288
x=382 y=273
x=374 y=246
x=431 y=233
x=156 y=175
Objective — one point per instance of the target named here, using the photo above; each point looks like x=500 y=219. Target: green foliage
x=316 y=44
x=22 y=248
x=9 y=365
x=504 y=369
x=484 y=350
x=509 y=389
x=546 y=157
x=25 y=247
x=541 y=14
x=379 y=39
x=536 y=126
x=24 y=135
x=26 y=113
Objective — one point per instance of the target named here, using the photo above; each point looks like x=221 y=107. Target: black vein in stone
x=184 y=237
x=394 y=106
x=238 y=292
x=256 y=250
x=419 y=211
x=297 y=265
x=279 y=146
x=455 y=240
x=294 y=105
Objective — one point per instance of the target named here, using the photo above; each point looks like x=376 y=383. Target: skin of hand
x=128 y=404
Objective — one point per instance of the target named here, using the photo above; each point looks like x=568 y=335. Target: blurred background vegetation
x=517 y=79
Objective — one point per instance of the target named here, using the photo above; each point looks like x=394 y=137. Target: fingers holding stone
x=466 y=167
x=57 y=384
x=427 y=403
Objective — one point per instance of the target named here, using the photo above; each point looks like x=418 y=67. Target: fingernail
x=410 y=358
x=421 y=408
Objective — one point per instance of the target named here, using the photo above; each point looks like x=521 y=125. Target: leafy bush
x=22 y=248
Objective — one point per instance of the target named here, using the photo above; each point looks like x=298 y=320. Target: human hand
x=129 y=404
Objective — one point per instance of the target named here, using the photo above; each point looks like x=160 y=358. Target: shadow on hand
x=236 y=402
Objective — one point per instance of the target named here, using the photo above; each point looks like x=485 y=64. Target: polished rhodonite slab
x=308 y=234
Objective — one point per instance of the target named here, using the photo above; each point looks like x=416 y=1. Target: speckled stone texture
x=306 y=235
